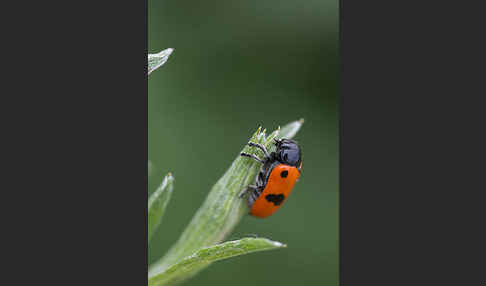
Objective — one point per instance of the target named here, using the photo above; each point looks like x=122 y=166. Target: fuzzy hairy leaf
x=291 y=129
x=157 y=60
x=203 y=257
x=158 y=202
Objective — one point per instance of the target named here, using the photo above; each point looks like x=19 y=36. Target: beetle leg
x=252 y=156
x=249 y=188
x=261 y=147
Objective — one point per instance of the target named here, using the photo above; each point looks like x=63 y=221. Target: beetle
x=279 y=172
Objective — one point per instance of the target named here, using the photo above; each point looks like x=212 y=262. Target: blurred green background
x=238 y=65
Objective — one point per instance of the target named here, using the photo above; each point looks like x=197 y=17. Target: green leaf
x=223 y=208
x=157 y=203
x=157 y=60
x=190 y=265
x=291 y=129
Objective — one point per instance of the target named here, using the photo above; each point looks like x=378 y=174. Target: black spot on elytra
x=284 y=174
x=275 y=199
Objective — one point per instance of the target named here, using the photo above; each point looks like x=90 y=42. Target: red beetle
x=278 y=175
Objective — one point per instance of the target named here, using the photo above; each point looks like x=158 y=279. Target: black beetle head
x=288 y=152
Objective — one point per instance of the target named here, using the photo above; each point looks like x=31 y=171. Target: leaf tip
x=167 y=52
x=279 y=244
x=276 y=243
